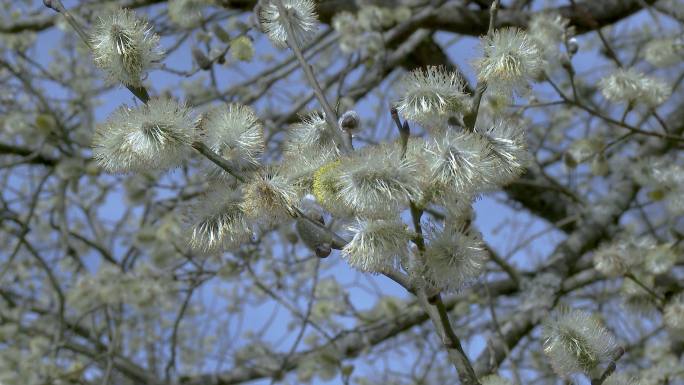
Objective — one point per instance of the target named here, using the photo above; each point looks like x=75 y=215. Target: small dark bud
x=322 y=251
x=221 y=33
x=201 y=59
x=350 y=121
x=314 y=235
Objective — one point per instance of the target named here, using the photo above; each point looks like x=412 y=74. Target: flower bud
x=201 y=59
x=349 y=121
x=314 y=236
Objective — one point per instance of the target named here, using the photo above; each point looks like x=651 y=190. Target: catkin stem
x=330 y=115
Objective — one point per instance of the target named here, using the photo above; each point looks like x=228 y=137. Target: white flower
x=460 y=162
x=664 y=52
x=426 y=93
x=311 y=134
x=302 y=17
x=508 y=156
x=221 y=223
x=510 y=60
x=124 y=46
x=375 y=181
x=309 y=145
x=377 y=245
x=547 y=31
x=614 y=260
x=575 y=341
x=235 y=133
x=269 y=198
x=660 y=258
x=453 y=258
x=631 y=86
x=673 y=316
x=347 y=26
x=156 y=135
x=186 y=13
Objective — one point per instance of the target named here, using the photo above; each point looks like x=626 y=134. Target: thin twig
x=471 y=117
x=330 y=115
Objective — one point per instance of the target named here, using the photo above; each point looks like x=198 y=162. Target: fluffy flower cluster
x=642 y=254
x=301 y=15
x=460 y=163
x=310 y=144
x=575 y=341
x=508 y=153
x=432 y=93
x=124 y=46
x=453 y=258
x=673 y=316
x=633 y=87
x=234 y=132
x=140 y=288
x=664 y=52
x=376 y=181
x=548 y=31
x=186 y=13
x=362 y=30
x=312 y=136
x=156 y=135
x=377 y=244
x=220 y=221
x=510 y=60
x=268 y=198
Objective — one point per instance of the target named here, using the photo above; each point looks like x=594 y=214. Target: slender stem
x=216 y=159
x=610 y=369
x=330 y=114
x=660 y=300
x=471 y=117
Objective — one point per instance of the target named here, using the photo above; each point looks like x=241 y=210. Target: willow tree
x=215 y=192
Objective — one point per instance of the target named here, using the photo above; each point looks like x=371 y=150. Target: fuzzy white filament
x=633 y=87
x=156 y=135
x=311 y=136
x=234 y=132
x=459 y=162
x=575 y=341
x=453 y=258
x=221 y=223
x=614 y=260
x=302 y=16
x=510 y=60
x=377 y=245
x=375 y=181
x=124 y=46
x=268 y=198
x=673 y=315
x=548 y=30
x=431 y=92
x=508 y=154
x=664 y=52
